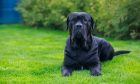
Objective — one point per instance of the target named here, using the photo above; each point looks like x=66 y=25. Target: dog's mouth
x=78 y=36
x=79 y=40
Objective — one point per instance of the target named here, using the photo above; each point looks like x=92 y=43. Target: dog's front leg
x=66 y=71
x=95 y=70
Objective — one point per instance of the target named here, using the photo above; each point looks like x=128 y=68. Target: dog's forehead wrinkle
x=72 y=16
x=80 y=15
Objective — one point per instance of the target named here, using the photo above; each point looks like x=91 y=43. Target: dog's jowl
x=82 y=50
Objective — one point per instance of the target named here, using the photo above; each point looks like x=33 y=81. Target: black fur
x=116 y=53
x=82 y=50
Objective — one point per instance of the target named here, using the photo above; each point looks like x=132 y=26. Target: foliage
x=29 y=56
x=51 y=13
x=119 y=18
x=132 y=20
x=114 y=18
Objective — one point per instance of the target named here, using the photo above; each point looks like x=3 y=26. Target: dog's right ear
x=67 y=22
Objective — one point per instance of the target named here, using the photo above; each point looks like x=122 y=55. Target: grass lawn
x=28 y=55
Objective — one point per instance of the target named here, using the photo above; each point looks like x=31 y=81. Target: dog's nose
x=78 y=25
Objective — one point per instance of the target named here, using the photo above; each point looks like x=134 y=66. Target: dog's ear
x=67 y=21
x=93 y=24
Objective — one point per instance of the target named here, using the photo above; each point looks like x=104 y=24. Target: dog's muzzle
x=78 y=31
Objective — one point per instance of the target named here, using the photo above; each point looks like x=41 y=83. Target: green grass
x=29 y=55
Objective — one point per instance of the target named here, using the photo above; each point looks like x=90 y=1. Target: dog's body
x=83 y=50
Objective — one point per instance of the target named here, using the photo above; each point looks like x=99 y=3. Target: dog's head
x=80 y=25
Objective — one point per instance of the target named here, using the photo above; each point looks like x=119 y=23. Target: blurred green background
x=119 y=19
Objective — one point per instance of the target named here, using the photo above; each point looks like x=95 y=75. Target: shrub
x=120 y=19
x=50 y=13
x=114 y=18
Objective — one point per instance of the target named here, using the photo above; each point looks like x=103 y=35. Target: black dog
x=82 y=50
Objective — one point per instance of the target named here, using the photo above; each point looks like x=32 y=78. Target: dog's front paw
x=66 y=73
x=95 y=73
x=95 y=70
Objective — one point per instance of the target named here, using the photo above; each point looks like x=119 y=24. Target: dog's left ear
x=93 y=24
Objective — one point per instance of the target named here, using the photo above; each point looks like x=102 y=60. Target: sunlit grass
x=29 y=55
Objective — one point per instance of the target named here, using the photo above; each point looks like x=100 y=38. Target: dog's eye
x=72 y=21
x=85 y=20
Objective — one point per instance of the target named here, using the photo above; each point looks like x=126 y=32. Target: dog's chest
x=84 y=57
x=80 y=55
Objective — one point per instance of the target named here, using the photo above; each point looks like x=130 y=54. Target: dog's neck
x=82 y=44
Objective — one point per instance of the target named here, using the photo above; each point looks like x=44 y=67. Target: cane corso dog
x=83 y=50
